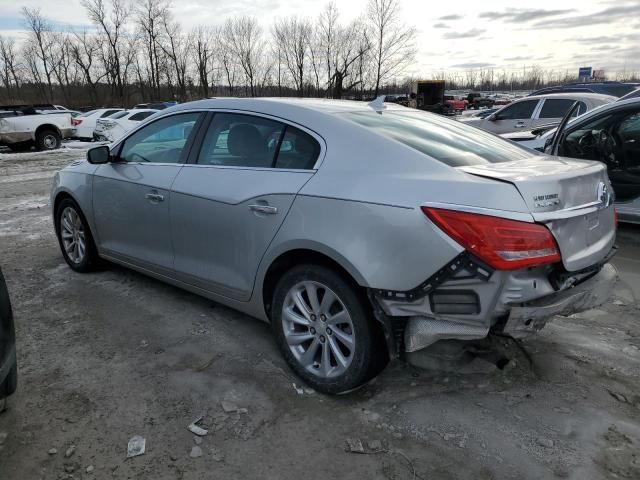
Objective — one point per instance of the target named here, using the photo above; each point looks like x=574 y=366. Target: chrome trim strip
x=568 y=212
x=519 y=216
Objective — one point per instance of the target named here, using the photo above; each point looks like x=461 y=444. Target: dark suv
x=8 y=365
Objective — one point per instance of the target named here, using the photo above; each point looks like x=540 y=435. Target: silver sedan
x=359 y=231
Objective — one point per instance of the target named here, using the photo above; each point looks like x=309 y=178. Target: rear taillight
x=501 y=243
x=615 y=217
x=76 y=121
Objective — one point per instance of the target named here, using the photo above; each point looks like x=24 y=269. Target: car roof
x=571 y=95
x=321 y=105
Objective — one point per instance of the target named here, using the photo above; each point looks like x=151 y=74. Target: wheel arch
x=307 y=253
x=46 y=126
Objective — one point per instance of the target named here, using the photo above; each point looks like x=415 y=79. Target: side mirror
x=99 y=155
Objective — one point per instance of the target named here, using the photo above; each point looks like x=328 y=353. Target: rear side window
x=297 y=150
x=558 y=107
x=139 y=116
x=448 y=141
x=518 y=110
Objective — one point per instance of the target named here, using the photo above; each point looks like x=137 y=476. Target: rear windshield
x=120 y=114
x=448 y=141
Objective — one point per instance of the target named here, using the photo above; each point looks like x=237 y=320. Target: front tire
x=322 y=328
x=74 y=237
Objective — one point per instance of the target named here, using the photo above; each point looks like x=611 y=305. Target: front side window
x=449 y=141
x=558 y=107
x=162 y=141
x=518 y=110
x=239 y=140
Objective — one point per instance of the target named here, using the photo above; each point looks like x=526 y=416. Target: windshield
x=448 y=141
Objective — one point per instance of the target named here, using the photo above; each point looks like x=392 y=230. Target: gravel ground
x=110 y=355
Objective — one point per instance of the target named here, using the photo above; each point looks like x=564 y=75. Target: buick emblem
x=603 y=195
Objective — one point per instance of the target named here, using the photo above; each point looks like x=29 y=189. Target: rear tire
x=48 y=140
x=323 y=329
x=74 y=237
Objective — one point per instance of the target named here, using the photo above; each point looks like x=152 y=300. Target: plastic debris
x=354 y=445
x=89 y=469
x=196 y=452
x=299 y=390
x=229 y=407
x=195 y=429
x=136 y=446
x=53 y=451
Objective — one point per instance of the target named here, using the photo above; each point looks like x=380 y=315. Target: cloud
x=473 y=65
x=474 y=32
x=441 y=25
x=519 y=15
x=451 y=17
x=518 y=58
x=608 y=15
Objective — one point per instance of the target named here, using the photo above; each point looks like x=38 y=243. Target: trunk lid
x=573 y=198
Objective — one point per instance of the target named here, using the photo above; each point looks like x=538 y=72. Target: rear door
x=131 y=197
x=230 y=199
x=554 y=109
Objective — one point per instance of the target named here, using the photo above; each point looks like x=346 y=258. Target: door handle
x=266 y=209
x=154 y=197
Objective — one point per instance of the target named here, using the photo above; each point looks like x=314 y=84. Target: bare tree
x=39 y=44
x=150 y=16
x=352 y=44
x=328 y=31
x=292 y=36
x=394 y=47
x=202 y=51
x=243 y=37
x=112 y=25
x=84 y=52
x=9 y=64
x=177 y=49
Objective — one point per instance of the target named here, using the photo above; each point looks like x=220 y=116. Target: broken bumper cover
x=530 y=317
x=522 y=320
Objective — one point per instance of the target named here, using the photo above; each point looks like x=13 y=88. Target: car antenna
x=378 y=104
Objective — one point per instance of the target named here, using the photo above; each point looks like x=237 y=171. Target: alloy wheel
x=73 y=235
x=318 y=329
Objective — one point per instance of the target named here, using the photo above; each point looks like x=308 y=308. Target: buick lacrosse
x=359 y=231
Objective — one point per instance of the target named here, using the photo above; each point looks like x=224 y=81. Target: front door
x=229 y=203
x=132 y=196
x=512 y=118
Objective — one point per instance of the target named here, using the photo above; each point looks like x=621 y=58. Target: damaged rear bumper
x=510 y=306
x=530 y=317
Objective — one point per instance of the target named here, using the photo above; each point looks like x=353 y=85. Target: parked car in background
x=113 y=127
x=617 y=89
x=8 y=362
x=85 y=124
x=530 y=112
x=25 y=127
x=456 y=103
x=610 y=135
x=476 y=100
x=156 y=105
x=276 y=207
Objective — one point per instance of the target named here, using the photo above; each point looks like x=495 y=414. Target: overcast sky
x=453 y=35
